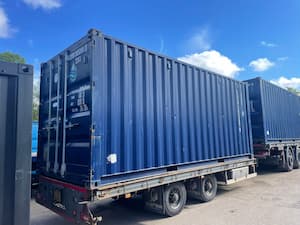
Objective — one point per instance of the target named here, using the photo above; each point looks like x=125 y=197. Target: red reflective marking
x=66 y=185
x=258 y=145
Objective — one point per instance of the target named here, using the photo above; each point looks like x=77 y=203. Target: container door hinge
x=92 y=172
x=93 y=126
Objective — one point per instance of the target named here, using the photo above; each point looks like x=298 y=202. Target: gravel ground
x=272 y=198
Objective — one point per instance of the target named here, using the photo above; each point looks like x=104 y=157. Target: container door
x=65 y=115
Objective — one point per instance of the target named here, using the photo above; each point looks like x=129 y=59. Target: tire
x=288 y=163
x=174 y=198
x=296 y=159
x=208 y=188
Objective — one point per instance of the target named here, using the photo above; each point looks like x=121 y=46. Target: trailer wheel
x=208 y=188
x=297 y=159
x=289 y=160
x=174 y=198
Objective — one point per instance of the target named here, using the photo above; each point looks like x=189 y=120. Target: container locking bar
x=49 y=116
x=57 y=115
x=63 y=163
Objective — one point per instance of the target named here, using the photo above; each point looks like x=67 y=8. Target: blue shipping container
x=34 y=141
x=111 y=111
x=34 y=146
x=275 y=112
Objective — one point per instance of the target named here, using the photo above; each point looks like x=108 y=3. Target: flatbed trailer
x=199 y=182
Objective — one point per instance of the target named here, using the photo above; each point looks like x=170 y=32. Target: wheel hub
x=174 y=198
x=208 y=187
x=290 y=158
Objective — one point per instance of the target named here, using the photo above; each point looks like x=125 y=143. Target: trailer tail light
x=74 y=212
x=84 y=216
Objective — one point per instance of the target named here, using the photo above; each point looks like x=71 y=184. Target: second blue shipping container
x=34 y=148
x=275 y=113
x=34 y=141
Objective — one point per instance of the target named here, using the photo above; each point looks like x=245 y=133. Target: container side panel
x=281 y=110
x=275 y=112
x=161 y=113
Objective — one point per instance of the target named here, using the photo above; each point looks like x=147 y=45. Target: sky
x=237 y=38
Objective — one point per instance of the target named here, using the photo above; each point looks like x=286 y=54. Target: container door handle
x=71 y=125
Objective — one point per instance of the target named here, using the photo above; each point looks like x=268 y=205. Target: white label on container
x=112 y=158
x=268 y=132
x=56 y=78
x=78 y=52
x=77 y=60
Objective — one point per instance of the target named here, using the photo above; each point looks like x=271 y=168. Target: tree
x=36 y=97
x=11 y=57
x=294 y=90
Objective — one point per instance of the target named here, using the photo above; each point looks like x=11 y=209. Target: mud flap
x=154 y=200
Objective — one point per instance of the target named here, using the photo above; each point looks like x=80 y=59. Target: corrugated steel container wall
x=275 y=112
x=15 y=142
x=156 y=111
x=150 y=113
x=34 y=141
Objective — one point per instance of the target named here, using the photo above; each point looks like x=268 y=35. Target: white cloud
x=268 y=44
x=6 y=30
x=44 y=4
x=261 y=64
x=213 y=61
x=200 y=41
x=293 y=82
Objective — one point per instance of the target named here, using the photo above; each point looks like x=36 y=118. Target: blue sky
x=237 y=38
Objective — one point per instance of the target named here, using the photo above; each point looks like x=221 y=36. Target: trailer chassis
x=72 y=202
x=284 y=155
